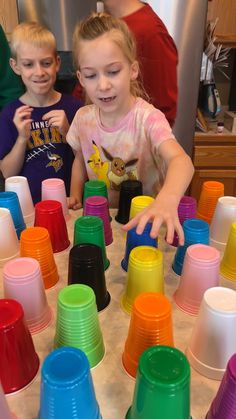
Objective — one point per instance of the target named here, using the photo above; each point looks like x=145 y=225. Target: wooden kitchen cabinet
x=8 y=16
x=226 y=26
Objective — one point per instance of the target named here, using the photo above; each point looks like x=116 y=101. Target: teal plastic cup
x=77 y=322
x=162 y=388
x=89 y=229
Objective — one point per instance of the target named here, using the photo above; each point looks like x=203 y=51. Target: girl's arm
x=78 y=178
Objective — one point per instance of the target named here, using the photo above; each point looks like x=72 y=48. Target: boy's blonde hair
x=33 y=33
x=98 y=24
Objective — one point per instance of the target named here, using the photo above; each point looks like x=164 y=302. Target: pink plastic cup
x=200 y=272
x=98 y=206
x=9 y=244
x=55 y=190
x=22 y=281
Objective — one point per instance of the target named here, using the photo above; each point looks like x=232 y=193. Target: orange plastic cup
x=36 y=243
x=210 y=193
x=150 y=325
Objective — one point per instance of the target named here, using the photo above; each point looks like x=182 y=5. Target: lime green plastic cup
x=89 y=229
x=95 y=188
x=162 y=388
x=77 y=322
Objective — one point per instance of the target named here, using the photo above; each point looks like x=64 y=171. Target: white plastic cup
x=19 y=184
x=9 y=244
x=54 y=189
x=213 y=339
x=224 y=215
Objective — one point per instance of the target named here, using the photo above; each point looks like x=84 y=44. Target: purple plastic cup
x=187 y=209
x=98 y=206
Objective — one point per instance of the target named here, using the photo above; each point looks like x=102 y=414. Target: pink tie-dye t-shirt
x=129 y=150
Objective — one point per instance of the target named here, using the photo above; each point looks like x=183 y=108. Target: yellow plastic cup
x=228 y=263
x=138 y=203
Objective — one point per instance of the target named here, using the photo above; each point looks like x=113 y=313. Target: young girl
x=120 y=135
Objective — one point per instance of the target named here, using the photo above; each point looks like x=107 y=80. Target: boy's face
x=37 y=67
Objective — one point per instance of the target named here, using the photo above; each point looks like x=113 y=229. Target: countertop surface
x=113 y=387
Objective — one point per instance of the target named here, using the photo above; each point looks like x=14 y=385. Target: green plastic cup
x=95 y=188
x=89 y=229
x=162 y=388
x=77 y=322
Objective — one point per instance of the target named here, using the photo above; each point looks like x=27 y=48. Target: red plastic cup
x=49 y=214
x=98 y=206
x=19 y=363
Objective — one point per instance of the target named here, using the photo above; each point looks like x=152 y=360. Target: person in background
x=34 y=127
x=120 y=135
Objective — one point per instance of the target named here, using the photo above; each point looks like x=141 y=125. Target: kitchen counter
x=113 y=387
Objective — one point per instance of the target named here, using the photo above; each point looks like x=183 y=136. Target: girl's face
x=105 y=73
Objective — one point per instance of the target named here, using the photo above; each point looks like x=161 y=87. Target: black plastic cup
x=129 y=189
x=86 y=267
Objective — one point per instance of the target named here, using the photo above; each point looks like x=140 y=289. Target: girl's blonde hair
x=98 y=24
x=33 y=33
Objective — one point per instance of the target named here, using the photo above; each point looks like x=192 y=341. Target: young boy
x=34 y=127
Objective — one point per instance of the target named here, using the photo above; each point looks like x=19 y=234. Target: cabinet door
x=225 y=10
x=228 y=177
x=8 y=16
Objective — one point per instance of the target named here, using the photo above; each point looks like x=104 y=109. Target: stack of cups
x=95 y=188
x=138 y=203
x=22 y=281
x=9 y=244
x=11 y=201
x=4 y=409
x=150 y=324
x=224 y=216
x=129 y=189
x=210 y=193
x=77 y=322
x=214 y=329
x=19 y=184
x=224 y=404
x=200 y=272
x=35 y=243
x=98 y=206
x=19 y=362
x=86 y=267
x=66 y=386
x=186 y=209
x=162 y=388
x=228 y=263
x=90 y=230
x=195 y=231
x=145 y=274
x=54 y=189
x=49 y=214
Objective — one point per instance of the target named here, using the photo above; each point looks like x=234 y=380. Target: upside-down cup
x=86 y=267
x=11 y=201
x=35 y=243
x=49 y=214
x=213 y=341
x=150 y=325
x=128 y=190
x=9 y=244
x=89 y=229
x=145 y=274
x=20 y=185
x=98 y=206
x=210 y=193
x=186 y=210
x=162 y=388
x=224 y=216
x=67 y=389
x=138 y=203
x=22 y=281
x=54 y=189
x=19 y=363
x=228 y=263
x=200 y=272
x=95 y=188
x=77 y=322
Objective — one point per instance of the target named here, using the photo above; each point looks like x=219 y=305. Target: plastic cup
x=128 y=190
x=89 y=229
x=22 y=281
x=162 y=388
x=200 y=272
x=213 y=339
x=195 y=231
x=54 y=189
x=138 y=203
x=9 y=244
x=4 y=409
x=35 y=243
x=67 y=389
x=19 y=184
x=224 y=404
x=98 y=206
x=86 y=267
x=19 y=362
x=224 y=216
x=49 y=214
x=228 y=263
x=11 y=201
x=145 y=274
x=95 y=188
x=150 y=325
x=186 y=210
x=210 y=193
x=133 y=240
x=77 y=322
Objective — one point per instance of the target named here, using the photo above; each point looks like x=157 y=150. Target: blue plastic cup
x=195 y=231
x=66 y=386
x=11 y=201
x=133 y=240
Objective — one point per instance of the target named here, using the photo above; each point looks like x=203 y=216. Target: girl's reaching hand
x=74 y=203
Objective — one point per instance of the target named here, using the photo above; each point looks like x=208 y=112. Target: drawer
x=215 y=156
